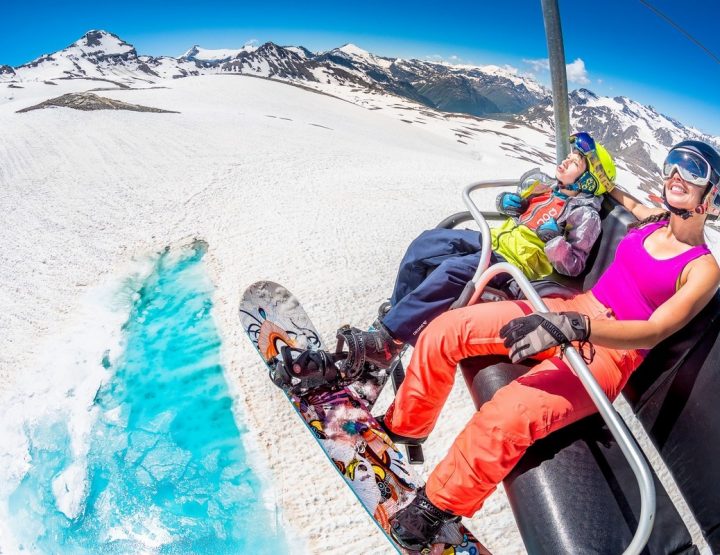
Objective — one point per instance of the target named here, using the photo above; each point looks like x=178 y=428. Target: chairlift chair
x=574 y=492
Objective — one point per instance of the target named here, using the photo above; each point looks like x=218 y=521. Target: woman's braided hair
x=651 y=219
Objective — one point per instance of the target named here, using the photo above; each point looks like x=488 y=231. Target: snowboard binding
x=374 y=348
x=302 y=370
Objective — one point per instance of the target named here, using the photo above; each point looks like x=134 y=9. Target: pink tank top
x=636 y=284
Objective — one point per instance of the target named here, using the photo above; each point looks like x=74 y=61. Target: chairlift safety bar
x=617 y=427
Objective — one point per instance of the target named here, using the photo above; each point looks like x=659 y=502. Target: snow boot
x=301 y=370
x=383 y=309
x=375 y=347
x=397 y=438
x=417 y=526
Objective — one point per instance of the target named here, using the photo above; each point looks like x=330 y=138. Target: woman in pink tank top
x=662 y=276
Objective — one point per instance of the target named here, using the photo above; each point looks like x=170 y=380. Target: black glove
x=529 y=335
x=511 y=204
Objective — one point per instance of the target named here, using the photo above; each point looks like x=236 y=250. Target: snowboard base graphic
x=340 y=419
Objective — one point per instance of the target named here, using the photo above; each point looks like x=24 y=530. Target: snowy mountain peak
x=269 y=47
x=354 y=50
x=214 y=56
x=102 y=42
x=300 y=51
x=583 y=96
x=356 y=55
x=102 y=55
x=192 y=52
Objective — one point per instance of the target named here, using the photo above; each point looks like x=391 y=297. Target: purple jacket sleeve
x=568 y=253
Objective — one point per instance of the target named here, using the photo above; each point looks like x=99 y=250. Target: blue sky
x=624 y=47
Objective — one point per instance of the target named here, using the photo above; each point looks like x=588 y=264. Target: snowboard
x=339 y=418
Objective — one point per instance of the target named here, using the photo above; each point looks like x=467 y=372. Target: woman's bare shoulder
x=707 y=264
x=703 y=275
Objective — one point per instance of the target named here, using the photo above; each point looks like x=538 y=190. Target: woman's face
x=571 y=168
x=681 y=194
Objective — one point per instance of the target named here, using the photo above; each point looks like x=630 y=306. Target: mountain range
x=636 y=133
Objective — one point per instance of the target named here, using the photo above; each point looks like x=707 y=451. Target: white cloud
x=511 y=69
x=576 y=72
x=540 y=65
x=437 y=58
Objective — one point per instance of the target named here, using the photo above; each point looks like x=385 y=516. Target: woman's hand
x=529 y=335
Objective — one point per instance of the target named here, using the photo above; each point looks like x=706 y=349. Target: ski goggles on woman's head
x=583 y=142
x=691 y=167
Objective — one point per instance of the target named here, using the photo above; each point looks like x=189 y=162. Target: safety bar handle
x=617 y=427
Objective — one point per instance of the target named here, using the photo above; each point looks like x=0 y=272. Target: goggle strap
x=714 y=200
x=587 y=183
x=598 y=171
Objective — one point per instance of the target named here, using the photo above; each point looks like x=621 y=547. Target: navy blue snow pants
x=432 y=274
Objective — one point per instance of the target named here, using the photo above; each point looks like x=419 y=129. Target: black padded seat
x=573 y=492
x=674 y=394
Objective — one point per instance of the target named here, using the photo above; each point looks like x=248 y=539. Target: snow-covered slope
x=283 y=183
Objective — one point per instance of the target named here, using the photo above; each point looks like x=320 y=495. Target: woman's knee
x=521 y=417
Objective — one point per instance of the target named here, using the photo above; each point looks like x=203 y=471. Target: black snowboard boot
x=376 y=347
x=417 y=526
x=397 y=438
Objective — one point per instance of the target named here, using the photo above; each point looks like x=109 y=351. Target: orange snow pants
x=546 y=398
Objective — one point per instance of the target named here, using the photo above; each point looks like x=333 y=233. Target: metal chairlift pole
x=558 y=77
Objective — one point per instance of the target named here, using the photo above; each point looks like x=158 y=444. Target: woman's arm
x=639 y=210
x=702 y=283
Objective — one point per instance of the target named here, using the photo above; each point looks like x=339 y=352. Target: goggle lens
x=692 y=167
x=583 y=142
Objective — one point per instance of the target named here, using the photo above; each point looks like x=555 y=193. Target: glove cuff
x=498 y=202
x=580 y=324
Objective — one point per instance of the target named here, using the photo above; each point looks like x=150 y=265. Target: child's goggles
x=583 y=142
x=692 y=167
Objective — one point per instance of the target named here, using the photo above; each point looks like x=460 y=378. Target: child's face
x=571 y=168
